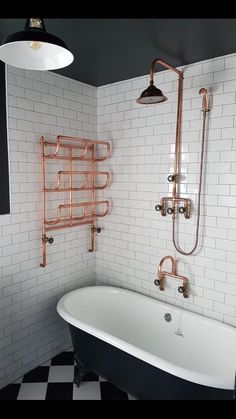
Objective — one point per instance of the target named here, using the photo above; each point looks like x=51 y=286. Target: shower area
x=164 y=199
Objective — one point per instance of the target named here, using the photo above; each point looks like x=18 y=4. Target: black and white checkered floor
x=54 y=381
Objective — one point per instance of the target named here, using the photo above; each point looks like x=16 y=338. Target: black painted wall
x=4 y=175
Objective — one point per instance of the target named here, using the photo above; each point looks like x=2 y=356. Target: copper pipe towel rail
x=84 y=186
x=82 y=144
x=83 y=205
x=90 y=209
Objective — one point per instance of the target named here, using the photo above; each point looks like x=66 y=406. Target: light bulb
x=35 y=45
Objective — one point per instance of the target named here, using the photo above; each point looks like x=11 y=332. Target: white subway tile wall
x=31 y=331
x=135 y=237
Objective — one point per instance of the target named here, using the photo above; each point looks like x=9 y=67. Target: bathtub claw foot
x=80 y=372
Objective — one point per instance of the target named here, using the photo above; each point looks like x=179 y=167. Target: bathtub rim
x=215 y=381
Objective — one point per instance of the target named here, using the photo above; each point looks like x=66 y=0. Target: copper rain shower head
x=151 y=95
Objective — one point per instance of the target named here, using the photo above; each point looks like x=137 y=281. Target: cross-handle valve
x=172 y=178
x=182 y=210
x=182 y=290
x=159 y=284
x=46 y=239
x=96 y=229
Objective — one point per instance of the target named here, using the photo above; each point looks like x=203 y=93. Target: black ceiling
x=111 y=50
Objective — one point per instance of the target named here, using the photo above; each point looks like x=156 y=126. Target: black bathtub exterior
x=136 y=377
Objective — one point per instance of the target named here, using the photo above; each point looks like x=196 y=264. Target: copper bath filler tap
x=161 y=276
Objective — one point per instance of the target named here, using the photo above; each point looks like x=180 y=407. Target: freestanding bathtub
x=150 y=349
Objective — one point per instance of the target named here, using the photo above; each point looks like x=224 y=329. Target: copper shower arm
x=166 y=65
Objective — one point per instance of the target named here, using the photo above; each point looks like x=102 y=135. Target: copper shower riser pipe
x=179 y=113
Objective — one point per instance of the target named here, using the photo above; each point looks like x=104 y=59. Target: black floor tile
x=110 y=392
x=65 y=358
x=38 y=375
x=10 y=392
x=59 y=391
x=90 y=376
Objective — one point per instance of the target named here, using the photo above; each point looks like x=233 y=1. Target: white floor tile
x=61 y=374
x=32 y=391
x=87 y=391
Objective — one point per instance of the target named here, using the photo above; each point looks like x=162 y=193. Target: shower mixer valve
x=164 y=207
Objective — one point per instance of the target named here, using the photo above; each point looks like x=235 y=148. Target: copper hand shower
x=203 y=93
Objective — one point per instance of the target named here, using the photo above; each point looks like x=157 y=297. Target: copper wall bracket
x=72 y=214
x=183 y=289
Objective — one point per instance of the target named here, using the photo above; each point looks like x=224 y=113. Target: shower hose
x=177 y=247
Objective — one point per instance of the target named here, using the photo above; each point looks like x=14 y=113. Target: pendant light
x=35 y=49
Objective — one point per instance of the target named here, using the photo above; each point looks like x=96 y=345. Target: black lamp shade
x=35 y=49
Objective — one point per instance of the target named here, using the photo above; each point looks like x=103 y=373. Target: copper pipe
x=173 y=265
x=70 y=183
x=86 y=142
x=89 y=211
x=83 y=205
x=175 y=201
x=83 y=187
x=177 y=138
x=164 y=64
x=179 y=113
x=43 y=263
x=161 y=274
x=202 y=92
x=58 y=145
x=67 y=225
x=91 y=249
